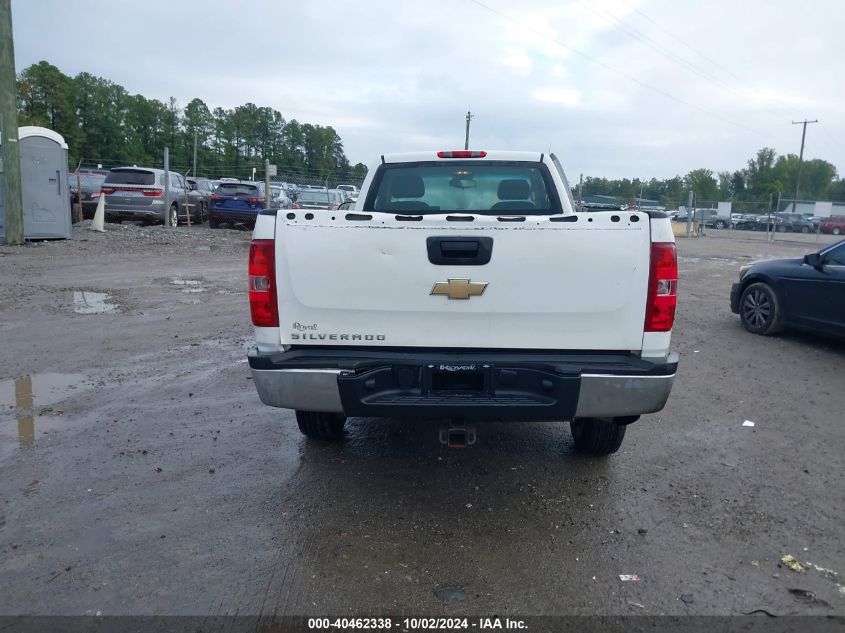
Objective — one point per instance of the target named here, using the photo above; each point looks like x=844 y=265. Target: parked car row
x=138 y=194
x=781 y=222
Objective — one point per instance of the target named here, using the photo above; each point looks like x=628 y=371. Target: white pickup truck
x=465 y=285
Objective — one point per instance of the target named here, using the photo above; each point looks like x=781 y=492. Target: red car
x=834 y=224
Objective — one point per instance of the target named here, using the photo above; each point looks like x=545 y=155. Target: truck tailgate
x=576 y=284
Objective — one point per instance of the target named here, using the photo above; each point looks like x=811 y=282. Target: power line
x=682 y=41
x=654 y=44
x=616 y=71
x=669 y=54
x=778 y=111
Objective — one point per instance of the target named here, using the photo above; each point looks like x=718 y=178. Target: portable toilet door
x=44 y=183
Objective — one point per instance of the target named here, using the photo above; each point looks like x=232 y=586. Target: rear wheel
x=212 y=223
x=836 y=230
x=805 y=229
x=597 y=436
x=174 y=215
x=759 y=310
x=720 y=224
x=320 y=425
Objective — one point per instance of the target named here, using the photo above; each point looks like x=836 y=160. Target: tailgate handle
x=459 y=251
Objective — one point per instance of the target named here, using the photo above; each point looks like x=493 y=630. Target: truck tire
x=321 y=426
x=597 y=436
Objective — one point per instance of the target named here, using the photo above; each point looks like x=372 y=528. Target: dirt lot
x=139 y=473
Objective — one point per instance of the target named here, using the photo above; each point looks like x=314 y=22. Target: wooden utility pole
x=10 y=170
x=800 y=158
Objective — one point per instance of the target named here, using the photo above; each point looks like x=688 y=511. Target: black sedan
x=806 y=294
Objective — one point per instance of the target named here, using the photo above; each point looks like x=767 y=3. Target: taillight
x=295 y=205
x=262 y=284
x=462 y=153
x=153 y=193
x=255 y=200
x=107 y=191
x=95 y=194
x=216 y=197
x=662 y=288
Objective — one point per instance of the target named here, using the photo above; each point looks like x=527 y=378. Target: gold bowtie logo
x=459 y=288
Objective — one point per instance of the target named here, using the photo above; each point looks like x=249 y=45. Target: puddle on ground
x=86 y=302
x=20 y=397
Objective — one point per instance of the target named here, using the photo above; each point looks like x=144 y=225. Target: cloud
x=396 y=76
x=564 y=96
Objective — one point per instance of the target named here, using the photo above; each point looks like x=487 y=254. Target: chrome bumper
x=600 y=395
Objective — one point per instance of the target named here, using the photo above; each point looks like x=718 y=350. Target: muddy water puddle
x=87 y=302
x=23 y=420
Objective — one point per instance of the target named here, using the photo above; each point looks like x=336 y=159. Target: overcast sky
x=635 y=88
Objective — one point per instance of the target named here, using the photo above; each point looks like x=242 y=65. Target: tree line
x=765 y=175
x=103 y=124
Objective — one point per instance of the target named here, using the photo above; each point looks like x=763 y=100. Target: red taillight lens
x=462 y=153
x=295 y=205
x=662 y=288
x=107 y=191
x=153 y=193
x=255 y=200
x=262 y=284
x=216 y=197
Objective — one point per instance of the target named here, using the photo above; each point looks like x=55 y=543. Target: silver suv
x=137 y=193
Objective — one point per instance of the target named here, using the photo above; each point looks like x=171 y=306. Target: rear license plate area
x=445 y=378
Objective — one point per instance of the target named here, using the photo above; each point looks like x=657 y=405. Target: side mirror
x=813 y=259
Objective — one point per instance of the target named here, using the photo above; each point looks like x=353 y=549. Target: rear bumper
x=229 y=215
x=498 y=385
x=148 y=212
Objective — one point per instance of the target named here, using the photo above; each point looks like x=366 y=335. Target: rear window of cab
x=487 y=188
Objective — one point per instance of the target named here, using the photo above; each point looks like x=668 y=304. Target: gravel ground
x=139 y=473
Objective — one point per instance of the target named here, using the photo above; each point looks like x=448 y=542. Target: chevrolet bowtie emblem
x=459 y=288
